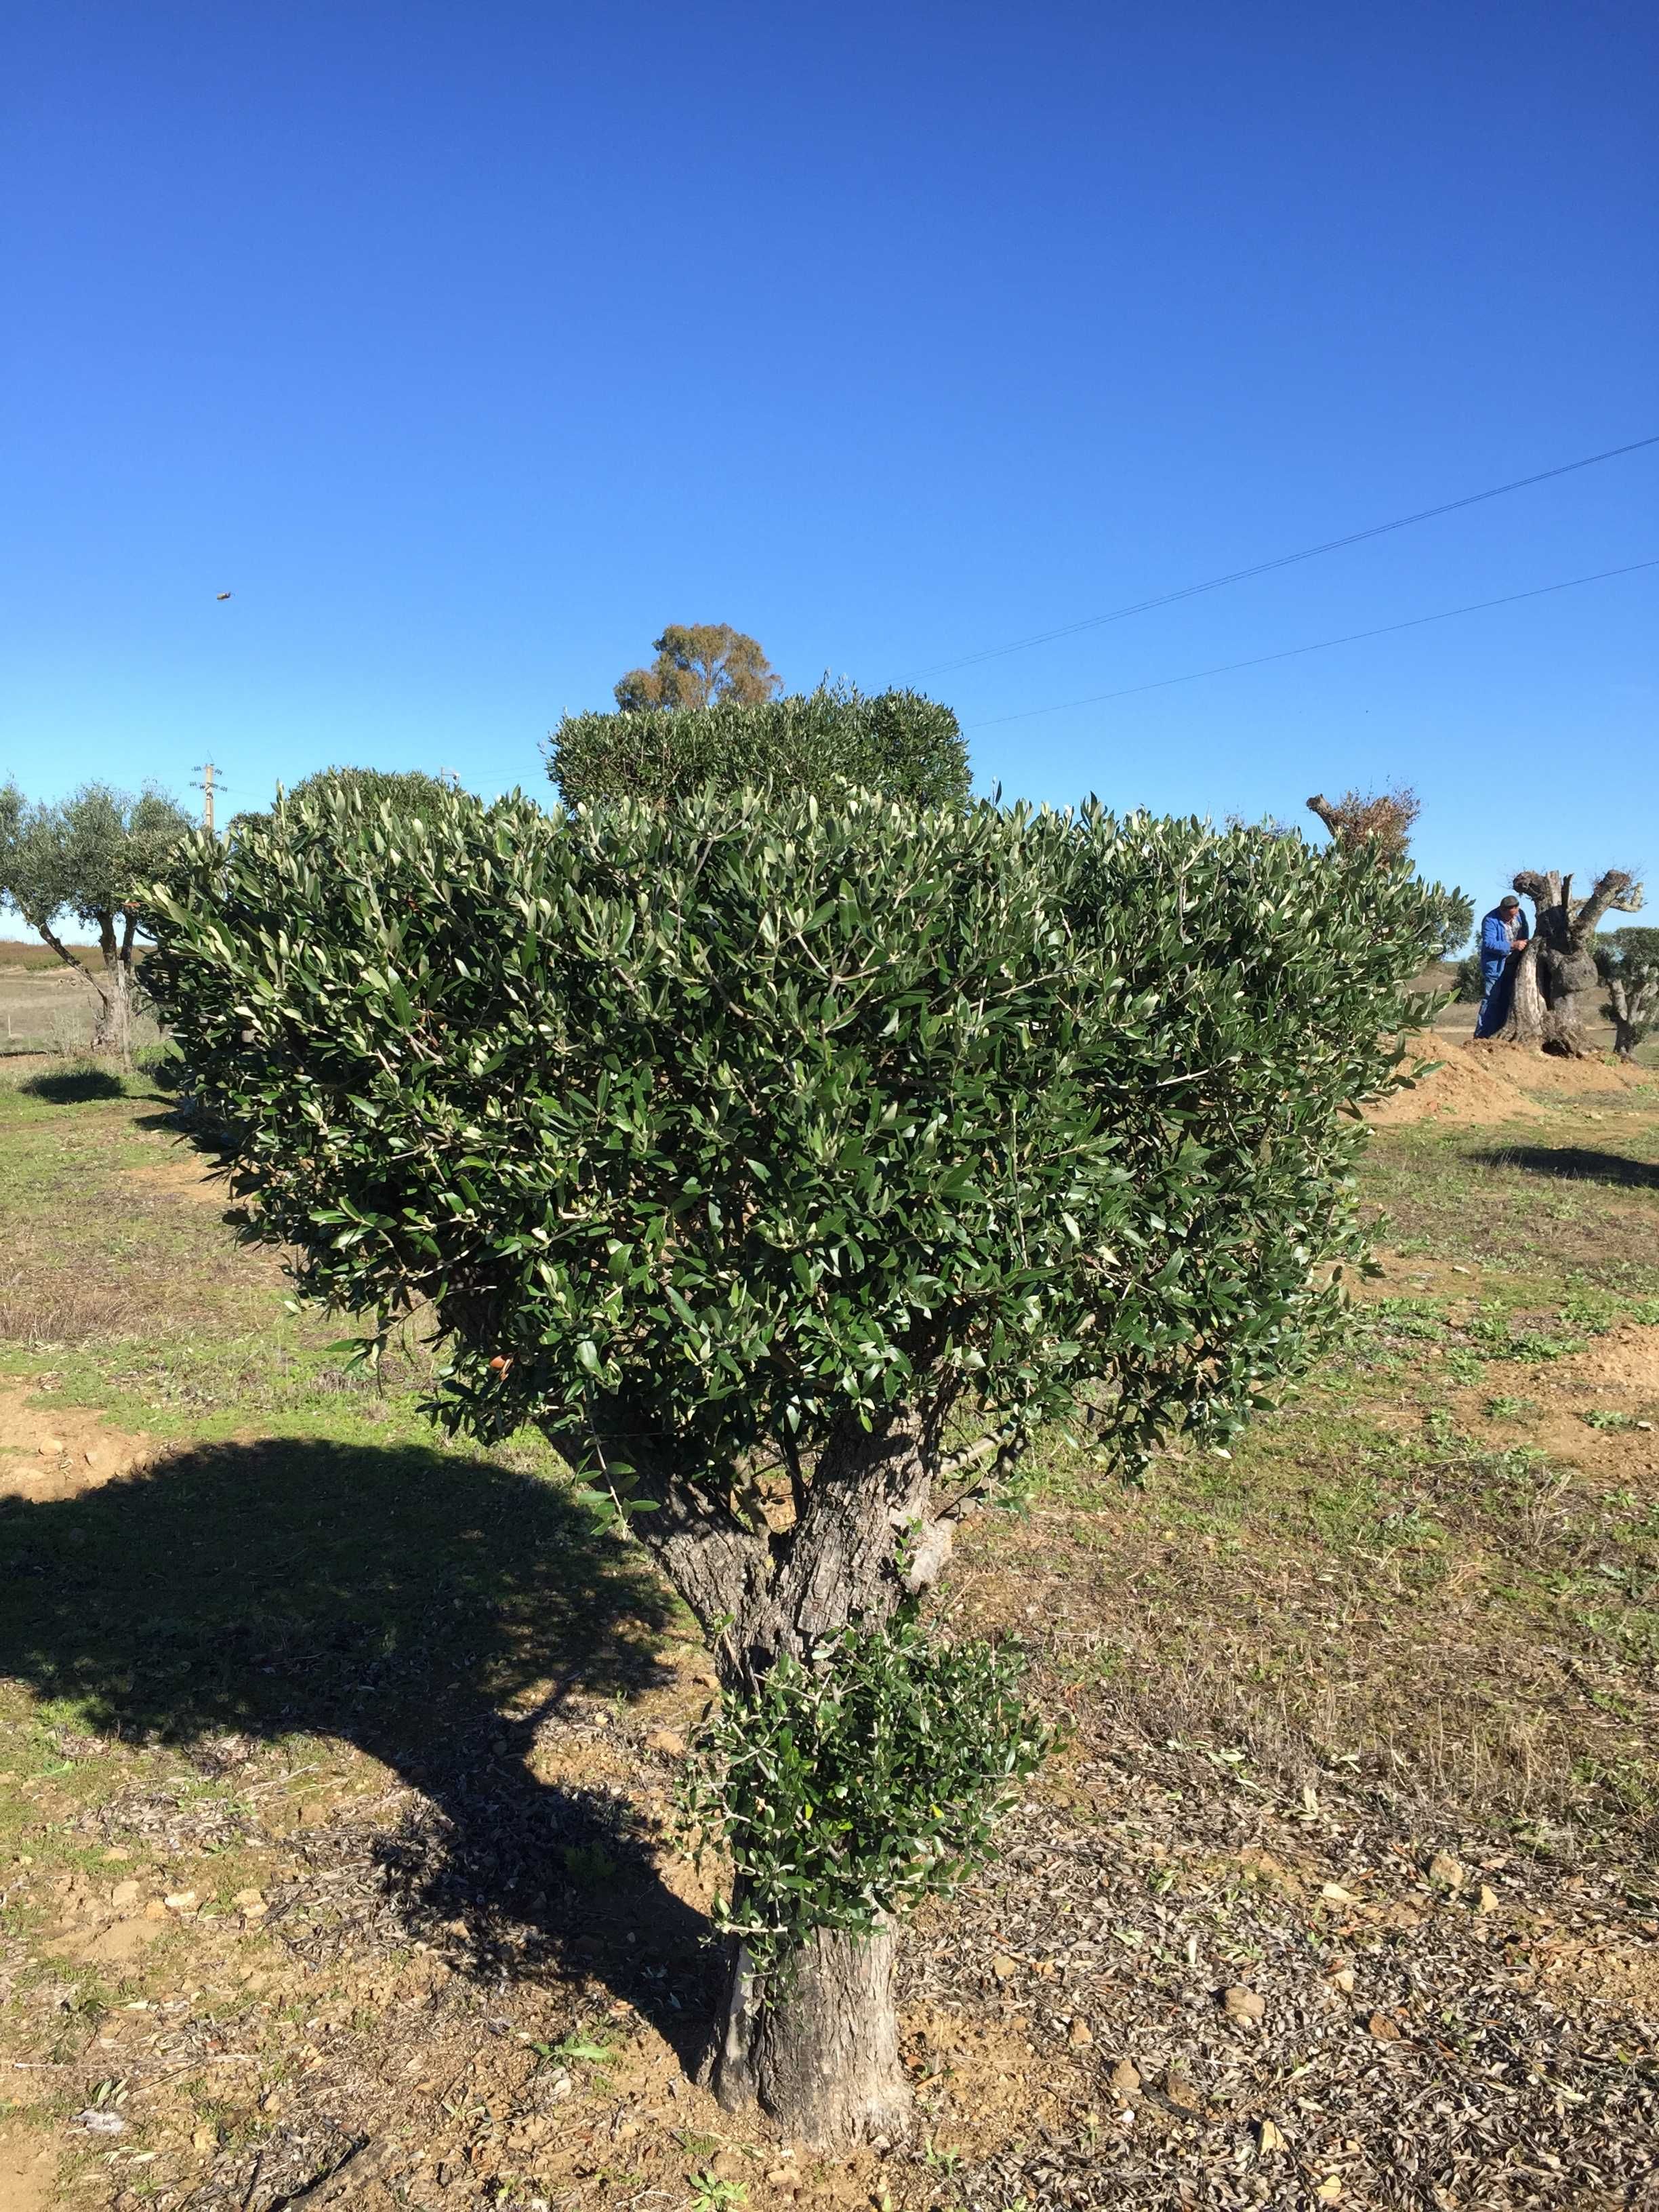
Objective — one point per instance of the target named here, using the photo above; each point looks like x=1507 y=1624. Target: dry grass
x=396 y=1733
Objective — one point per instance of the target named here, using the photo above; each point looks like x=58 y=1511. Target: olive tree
x=1627 y=962
x=405 y=791
x=789 y=1165
x=83 y=858
x=1556 y=977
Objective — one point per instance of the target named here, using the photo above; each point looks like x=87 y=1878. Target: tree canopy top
x=699 y=664
x=896 y=742
x=732 y=1119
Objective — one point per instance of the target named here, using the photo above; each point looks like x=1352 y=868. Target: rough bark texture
x=864 y=1535
x=818 y=2052
x=1556 y=985
x=112 y=1020
x=821 y=2056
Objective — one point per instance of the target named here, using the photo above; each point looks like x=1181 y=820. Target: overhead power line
x=1282 y=560
x=1323 y=645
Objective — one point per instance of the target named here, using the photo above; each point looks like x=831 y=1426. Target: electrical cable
x=1322 y=644
x=1283 y=561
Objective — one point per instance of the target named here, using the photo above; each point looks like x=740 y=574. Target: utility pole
x=207 y=771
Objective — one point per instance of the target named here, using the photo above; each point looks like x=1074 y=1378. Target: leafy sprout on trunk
x=845 y=1786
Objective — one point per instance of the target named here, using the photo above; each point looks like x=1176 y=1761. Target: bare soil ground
x=335 y=1761
x=1473 y=1081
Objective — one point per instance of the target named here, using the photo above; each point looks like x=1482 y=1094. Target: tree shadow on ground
x=398 y=1599
x=74 y=1087
x=1574 y=1164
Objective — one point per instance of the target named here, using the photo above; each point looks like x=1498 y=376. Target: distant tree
x=698 y=665
x=1628 y=960
x=1556 y=977
x=1382 y=820
x=85 y=857
x=897 y=744
x=1471 y=984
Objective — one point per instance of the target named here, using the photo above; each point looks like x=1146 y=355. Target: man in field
x=1502 y=934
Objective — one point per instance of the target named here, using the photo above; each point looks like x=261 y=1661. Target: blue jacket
x=1495 y=940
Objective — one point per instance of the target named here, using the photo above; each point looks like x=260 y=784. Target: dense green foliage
x=405 y=791
x=1623 y=952
x=737 y=1133
x=853 y=1786
x=896 y=742
x=713 y=1125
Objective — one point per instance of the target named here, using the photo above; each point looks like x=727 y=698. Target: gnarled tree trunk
x=111 y=1019
x=1556 y=985
x=817 y=2051
x=816 y=2047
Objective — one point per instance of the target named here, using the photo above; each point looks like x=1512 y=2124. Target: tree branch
x=1616 y=891
x=48 y=936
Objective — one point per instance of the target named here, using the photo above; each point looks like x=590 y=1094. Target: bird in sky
x=222 y=595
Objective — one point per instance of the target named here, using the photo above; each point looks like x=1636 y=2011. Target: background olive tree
x=789 y=1165
x=1382 y=821
x=1627 y=962
x=81 y=860
x=404 y=790
x=1557 y=982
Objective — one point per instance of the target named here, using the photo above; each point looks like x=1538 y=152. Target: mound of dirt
x=1481 y=1082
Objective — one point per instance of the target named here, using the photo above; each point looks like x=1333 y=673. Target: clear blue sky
x=468 y=344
